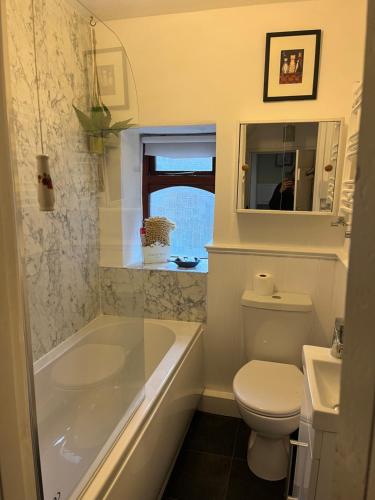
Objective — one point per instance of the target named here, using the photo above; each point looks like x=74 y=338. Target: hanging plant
x=97 y=124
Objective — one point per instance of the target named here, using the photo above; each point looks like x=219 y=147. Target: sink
x=327 y=377
x=323 y=373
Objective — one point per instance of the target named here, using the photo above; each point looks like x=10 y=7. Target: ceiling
x=119 y=9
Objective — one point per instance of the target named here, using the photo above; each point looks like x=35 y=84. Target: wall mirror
x=289 y=167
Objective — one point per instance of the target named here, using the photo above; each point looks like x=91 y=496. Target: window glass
x=164 y=164
x=192 y=210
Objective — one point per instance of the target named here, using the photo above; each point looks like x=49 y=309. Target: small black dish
x=187 y=262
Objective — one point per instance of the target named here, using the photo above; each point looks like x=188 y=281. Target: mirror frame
x=337 y=191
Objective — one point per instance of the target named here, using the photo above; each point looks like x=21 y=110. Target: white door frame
x=355 y=470
x=18 y=444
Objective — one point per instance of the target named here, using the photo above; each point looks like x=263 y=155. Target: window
x=164 y=164
x=180 y=185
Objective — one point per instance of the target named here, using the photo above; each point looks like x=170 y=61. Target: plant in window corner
x=97 y=124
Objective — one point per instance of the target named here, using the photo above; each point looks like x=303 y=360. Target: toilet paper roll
x=263 y=284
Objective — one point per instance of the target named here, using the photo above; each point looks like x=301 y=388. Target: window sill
x=202 y=267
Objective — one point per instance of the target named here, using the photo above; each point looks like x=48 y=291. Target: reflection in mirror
x=288 y=166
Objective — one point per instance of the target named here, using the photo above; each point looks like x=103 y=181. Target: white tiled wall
x=230 y=274
x=339 y=290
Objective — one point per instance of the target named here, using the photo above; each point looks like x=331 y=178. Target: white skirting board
x=218 y=402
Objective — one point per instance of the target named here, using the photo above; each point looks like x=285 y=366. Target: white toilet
x=268 y=389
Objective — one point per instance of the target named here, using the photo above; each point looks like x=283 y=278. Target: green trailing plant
x=98 y=122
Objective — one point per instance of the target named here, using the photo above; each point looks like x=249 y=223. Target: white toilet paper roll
x=263 y=284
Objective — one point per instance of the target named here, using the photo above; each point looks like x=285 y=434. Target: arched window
x=181 y=189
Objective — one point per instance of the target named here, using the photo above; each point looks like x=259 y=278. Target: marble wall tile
x=175 y=295
x=153 y=293
x=122 y=292
x=60 y=248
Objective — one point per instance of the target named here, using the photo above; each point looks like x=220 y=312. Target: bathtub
x=111 y=441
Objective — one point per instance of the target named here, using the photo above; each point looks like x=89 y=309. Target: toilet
x=268 y=389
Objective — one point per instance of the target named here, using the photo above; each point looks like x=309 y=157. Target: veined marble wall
x=177 y=295
x=60 y=248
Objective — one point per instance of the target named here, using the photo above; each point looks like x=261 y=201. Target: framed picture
x=292 y=65
x=112 y=75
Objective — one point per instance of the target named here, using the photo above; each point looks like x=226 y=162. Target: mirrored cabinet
x=289 y=167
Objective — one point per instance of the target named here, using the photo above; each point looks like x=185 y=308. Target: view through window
x=182 y=189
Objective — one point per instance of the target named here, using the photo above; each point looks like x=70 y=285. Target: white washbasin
x=323 y=373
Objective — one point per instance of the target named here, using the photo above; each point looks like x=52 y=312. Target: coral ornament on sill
x=155 y=238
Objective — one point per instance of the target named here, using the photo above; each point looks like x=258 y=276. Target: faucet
x=341 y=221
x=338 y=339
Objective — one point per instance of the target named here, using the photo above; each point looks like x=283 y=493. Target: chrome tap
x=338 y=339
x=341 y=221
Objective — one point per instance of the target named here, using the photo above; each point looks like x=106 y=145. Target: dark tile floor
x=212 y=464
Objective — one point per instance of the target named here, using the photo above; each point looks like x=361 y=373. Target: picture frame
x=291 y=65
x=112 y=75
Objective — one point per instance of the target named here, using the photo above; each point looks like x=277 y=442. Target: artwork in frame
x=291 y=65
x=112 y=76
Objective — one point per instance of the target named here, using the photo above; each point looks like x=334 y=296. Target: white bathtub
x=79 y=458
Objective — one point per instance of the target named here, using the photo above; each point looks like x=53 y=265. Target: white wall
x=339 y=290
x=207 y=67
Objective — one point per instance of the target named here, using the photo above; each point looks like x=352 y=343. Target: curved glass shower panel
x=73 y=94
x=111 y=76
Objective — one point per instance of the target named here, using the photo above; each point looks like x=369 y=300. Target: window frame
x=154 y=180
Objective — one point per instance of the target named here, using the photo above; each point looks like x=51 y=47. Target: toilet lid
x=267 y=388
x=87 y=365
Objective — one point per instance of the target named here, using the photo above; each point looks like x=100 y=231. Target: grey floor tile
x=212 y=434
x=244 y=485
x=198 y=476
x=242 y=440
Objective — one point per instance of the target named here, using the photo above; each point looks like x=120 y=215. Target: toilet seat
x=269 y=389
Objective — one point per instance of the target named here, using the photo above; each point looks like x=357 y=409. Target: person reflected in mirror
x=283 y=195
